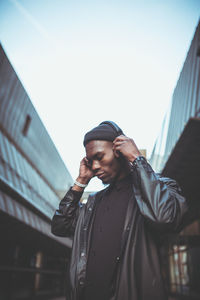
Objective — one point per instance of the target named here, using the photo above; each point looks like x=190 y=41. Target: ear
x=116 y=153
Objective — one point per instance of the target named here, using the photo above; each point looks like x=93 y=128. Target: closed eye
x=99 y=157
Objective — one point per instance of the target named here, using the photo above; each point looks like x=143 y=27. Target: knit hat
x=106 y=131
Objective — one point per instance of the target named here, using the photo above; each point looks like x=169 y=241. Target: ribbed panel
x=37 y=147
x=185 y=104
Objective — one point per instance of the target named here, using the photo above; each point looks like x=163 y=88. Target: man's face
x=102 y=160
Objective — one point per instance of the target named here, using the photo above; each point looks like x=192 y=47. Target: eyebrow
x=95 y=155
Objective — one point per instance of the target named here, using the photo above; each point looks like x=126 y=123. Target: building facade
x=176 y=154
x=33 y=179
x=185 y=105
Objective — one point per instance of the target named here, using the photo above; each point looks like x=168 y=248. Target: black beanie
x=106 y=131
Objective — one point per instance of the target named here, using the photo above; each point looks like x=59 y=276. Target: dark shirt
x=106 y=240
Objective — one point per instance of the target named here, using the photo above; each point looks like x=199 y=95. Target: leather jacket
x=156 y=208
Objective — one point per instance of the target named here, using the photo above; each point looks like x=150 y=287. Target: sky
x=83 y=62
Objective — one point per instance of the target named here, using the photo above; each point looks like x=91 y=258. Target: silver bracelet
x=80 y=184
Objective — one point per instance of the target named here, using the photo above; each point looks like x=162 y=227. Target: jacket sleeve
x=65 y=218
x=159 y=199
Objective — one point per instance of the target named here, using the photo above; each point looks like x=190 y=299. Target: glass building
x=33 y=179
x=176 y=154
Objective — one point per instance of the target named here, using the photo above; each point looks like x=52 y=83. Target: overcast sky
x=83 y=62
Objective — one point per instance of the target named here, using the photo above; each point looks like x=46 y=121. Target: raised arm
x=159 y=199
x=65 y=218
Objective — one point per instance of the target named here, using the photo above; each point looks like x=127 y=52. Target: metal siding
x=30 y=166
x=198 y=88
x=17 y=210
x=15 y=105
x=186 y=97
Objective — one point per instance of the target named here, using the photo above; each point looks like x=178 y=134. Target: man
x=115 y=253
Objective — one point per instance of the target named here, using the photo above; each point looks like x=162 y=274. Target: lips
x=100 y=175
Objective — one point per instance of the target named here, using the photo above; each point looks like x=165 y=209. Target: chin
x=107 y=181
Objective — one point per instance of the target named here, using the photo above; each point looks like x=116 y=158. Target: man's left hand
x=127 y=147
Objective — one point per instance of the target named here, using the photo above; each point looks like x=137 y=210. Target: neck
x=125 y=171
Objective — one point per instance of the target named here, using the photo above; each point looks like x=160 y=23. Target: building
x=33 y=178
x=176 y=154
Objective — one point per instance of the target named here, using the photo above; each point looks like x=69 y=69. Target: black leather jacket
x=156 y=207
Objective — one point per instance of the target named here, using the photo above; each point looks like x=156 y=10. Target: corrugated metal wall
x=29 y=161
x=185 y=104
x=186 y=97
x=35 y=146
x=33 y=178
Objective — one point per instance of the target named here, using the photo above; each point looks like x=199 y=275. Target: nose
x=95 y=165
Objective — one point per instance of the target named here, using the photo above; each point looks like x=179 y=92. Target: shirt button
x=82 y=254
x=117 y=258
x=90 y=208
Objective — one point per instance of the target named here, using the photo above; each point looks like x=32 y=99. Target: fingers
x=120 y=141
x=120 y=138
x=126 y=146
x=118 y=146
x=85 y=162
x=85 y=171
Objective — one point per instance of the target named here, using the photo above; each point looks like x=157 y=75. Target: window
x=26 y=125
x=178 y=264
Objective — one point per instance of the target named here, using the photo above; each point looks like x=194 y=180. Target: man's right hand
x=85 y=174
